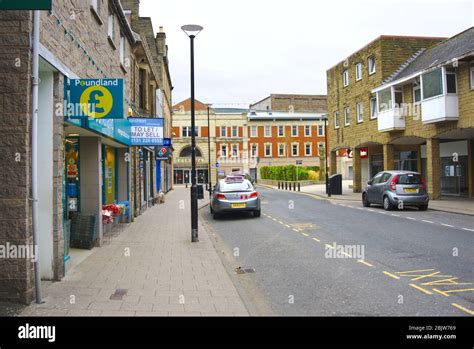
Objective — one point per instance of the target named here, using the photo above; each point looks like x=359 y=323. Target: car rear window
x=409 y=179
x=235 y=186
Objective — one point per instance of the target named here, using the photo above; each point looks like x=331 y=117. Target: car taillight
x=220 y=196
x=393 y=183
x=423 y=182
x=254 y=195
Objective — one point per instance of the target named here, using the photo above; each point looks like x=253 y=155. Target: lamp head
x=192 y=30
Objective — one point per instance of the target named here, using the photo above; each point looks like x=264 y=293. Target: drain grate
x=118 y=295
x=245 y=270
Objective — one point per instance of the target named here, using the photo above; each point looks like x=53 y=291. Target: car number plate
x=410 y=190
x=238 y=205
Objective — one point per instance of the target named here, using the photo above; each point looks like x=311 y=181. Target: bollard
x=294 y=186
x=286 y=185
x=278 y=184
x=299 y=186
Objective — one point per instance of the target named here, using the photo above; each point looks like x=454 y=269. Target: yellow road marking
x=421 y=289
x=281 y=222
x=269 y=216
x=305 y=234
x=364 y=262
x=440 y=292
x=286 y=225
x=329 y=246
x=316 y=240
x=296 y=230
x=470 y=312
x=412 y=271
x=445 y=282
x=432 y=275
x=462 y=290
x=391 y=275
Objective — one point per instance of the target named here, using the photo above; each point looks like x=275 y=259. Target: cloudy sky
x=251 y=48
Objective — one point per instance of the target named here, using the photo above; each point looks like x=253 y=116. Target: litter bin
x=335 y=184
x=200 y=191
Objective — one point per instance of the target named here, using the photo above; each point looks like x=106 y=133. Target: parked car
x=389 y=188
x=234 y=193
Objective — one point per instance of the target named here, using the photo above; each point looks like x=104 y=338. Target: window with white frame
x=320 y=130
x=268 y=150
x=253 y=131
x=345 y=78
x=294 y=149
x=235 y=150
x=110 y=26
x=234 y=131
x=307 y=130
x=308 y=149
x=384 y=100
x=451 y=83
x=347 y=120
x=122 y=49
x=321 y=148
x=416 y=91
x=223 y=131
x=254 y=150
x=360 y=112
x=472 y=78
x=223 y=150
x=267 y=131
x=281 y=131
x=336 y=119
x=373 y=107
x=186 y=131
x=432 y=83
x=358 y=71
x=371 y=64
x=294 y=131
x=281 y=149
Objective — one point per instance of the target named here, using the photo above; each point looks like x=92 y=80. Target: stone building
x=82 y=162
x=352 y=108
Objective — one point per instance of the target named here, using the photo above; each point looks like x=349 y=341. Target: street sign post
x=217 y=165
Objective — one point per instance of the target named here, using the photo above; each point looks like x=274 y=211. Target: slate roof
x=457 y=46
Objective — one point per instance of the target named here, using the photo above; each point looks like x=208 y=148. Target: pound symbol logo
x=96 y=102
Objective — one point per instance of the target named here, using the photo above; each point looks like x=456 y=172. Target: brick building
x=243 y=140
x=82 y=162
x=295 y=102
x=352 y=114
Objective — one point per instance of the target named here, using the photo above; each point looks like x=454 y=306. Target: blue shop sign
x=167 y=142
x=95 y=99
x=146 y=131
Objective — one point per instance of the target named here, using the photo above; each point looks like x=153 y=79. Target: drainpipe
x=34 y=150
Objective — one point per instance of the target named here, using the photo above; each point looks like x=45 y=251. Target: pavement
x=445 y=204
x=150 y=269
x=337 y=258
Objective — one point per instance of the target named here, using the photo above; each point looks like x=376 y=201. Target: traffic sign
x=217 y=165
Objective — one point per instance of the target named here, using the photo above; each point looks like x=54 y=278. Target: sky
x=252 y=48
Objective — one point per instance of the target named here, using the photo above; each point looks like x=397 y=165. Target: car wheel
x=423 y=207
x=257 y=213
x=215 y=215
x=387 y=205
x=365 y=200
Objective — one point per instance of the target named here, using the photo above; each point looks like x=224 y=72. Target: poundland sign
x=25 y=5
x=95 y=99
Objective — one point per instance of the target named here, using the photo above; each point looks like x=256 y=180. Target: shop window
x=406 y=161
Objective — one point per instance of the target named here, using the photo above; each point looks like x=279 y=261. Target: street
x=395 y=263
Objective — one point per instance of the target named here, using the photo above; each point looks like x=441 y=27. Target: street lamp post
x=209 y=151
x=192 y=31
x=326 y=155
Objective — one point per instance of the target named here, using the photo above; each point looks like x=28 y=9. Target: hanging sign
x=95 y=99
x=25 y=5
x=146 y=131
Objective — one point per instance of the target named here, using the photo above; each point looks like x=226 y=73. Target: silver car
x=396 y=189
x=234 y=194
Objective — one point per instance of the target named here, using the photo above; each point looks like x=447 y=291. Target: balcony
x=391 y=120
x=439 y=109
